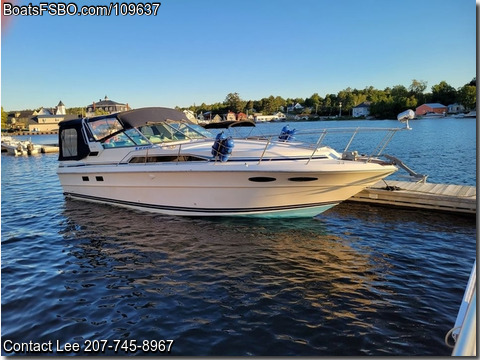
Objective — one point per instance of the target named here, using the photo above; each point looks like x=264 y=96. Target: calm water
x=356 y=280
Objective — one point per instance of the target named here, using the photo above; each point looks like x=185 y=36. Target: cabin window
x=69 y=143
x=164 y=158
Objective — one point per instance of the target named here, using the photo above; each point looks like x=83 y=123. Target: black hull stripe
x=193 y=210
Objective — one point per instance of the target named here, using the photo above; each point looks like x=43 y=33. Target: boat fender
x=216 y=145
x=226 y=149
x=286 y=134
x=222 y=147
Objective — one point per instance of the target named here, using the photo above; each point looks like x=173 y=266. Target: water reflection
x=226 y=276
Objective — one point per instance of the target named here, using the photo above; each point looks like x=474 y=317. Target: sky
x=198 y=51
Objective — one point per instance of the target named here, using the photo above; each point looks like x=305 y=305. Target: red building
x=241 y=116
x=430 y=108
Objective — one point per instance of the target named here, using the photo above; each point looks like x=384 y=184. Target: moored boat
x=471 y=114
x=17 y=147
x=155 y=159
x=433 y=115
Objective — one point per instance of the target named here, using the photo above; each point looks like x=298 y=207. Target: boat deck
x=442 y=197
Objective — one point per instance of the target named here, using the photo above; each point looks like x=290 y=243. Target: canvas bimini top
x=139 y=117
x=74 y=135
x=134 y=118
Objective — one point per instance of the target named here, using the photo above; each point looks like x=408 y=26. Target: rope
x=449 y=333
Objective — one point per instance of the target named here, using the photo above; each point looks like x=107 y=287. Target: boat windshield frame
x=110 y=132
x=104 y=127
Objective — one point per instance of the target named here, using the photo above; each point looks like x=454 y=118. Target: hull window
x=262 y=179
x=302 y=179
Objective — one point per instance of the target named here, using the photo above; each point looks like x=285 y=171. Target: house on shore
x=47 y=119
x=18 y=120
x=107 y=106
x=435 y=108
x=279 y=116
x=362 y=109
x=241 y=116
x=231 y=116
x=455 y=108
x=296 y=107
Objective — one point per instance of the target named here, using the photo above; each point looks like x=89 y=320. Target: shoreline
x=30 y=133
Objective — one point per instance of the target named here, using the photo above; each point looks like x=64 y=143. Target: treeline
x=384 y=104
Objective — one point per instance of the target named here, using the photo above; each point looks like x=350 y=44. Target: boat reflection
x=286 y=264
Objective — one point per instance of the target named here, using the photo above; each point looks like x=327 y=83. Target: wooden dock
x=49 y=149
x=441 y=197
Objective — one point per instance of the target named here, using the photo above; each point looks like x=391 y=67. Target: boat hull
x=265 y=190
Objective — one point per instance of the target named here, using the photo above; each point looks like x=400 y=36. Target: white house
x=455 y=108
x=297 y=106
x=362 y=109
x=275 y=117
x=107 y=105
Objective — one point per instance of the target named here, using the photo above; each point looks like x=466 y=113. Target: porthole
x=302 y=179
x=262 y=179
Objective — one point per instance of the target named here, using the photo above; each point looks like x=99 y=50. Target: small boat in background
x=17 y=147
x=471 y=114
x=433 y=115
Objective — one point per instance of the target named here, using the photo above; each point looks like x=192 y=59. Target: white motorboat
x=155 y=159
x=471 y=114
x=433 y=115
x=17 y=147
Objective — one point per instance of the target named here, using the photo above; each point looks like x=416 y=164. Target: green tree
x=467 y=96
x=444 y=93
x=272 y=104
x=383 y=109
x=4 y=119
x=417 y=88
x=347 y=98
x=101 y=112
x=399 y=91
x=249 y=106
x=234 y=102
x=314 y=102
x=330 y=105
x=75 y=111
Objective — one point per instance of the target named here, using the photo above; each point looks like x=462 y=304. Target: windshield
x=130 y=137
x=104 y=127
x=165 y=132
